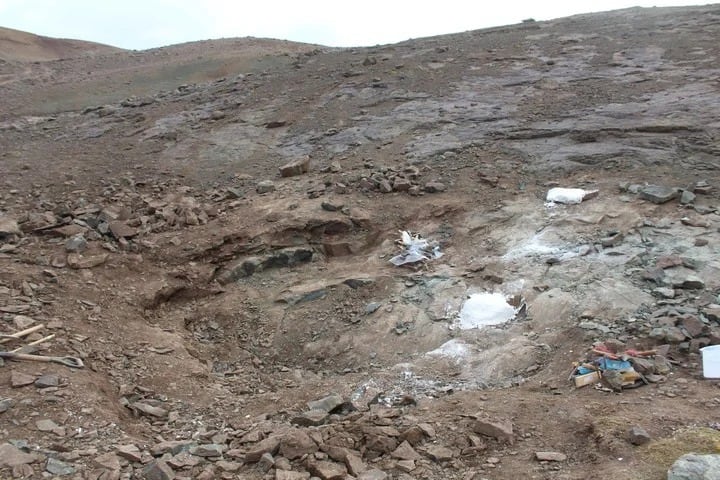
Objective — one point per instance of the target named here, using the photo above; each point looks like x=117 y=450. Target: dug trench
x=242 y=319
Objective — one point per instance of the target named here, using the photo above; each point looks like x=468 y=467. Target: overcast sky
x=140 y=24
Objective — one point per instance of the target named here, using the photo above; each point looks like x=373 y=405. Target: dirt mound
x=209 y=228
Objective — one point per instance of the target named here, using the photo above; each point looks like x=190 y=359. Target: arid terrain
x=208 y=227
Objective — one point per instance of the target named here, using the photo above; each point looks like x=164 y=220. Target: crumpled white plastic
x=568 y=195
x=416 y=250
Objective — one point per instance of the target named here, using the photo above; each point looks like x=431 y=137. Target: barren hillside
x=214 y=231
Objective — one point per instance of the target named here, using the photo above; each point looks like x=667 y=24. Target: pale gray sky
x=141 y=24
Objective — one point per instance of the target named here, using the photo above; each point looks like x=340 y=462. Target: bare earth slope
x=20 y=46
x=145 y=224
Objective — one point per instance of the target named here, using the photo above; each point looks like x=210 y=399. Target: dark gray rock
x=56 y=467
x=266 y=186
x=158 y=470
x=687 y=197
x=47 y=380
x=658 y=194
x=638 y=436
x=76 y=243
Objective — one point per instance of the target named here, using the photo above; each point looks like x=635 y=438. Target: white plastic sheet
x=416 y=249
x=569 y=195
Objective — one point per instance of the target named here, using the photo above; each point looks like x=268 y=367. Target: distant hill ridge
x=19 y=46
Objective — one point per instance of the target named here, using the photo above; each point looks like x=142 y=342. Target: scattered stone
x=158 y=470
x=499 y=429
x=313 y=418
x=266 y=462
x=129 y=452
x=19 y=379
x=695 y=222
x=691 y=282
x=405 y=451
x=695 y=467
x=56 y=467
x=550 y=456
x=439 y=453
x=22 y=471
x=149 y=410
x=288 y=475
x=406 y=466
x=687 y=197
x=701 y=242
x=401 y=184
x=328 y=470
x=208 y=450
x=120 y=229
x=266 y=186
x=47 y=425
x=435 y=187
x=326 y=404
x=109 y=461
x=22 y=322
x=373 y=474
x=6 y=404
x=638 y=436
x=47 y=380
x=296 y=443
x=78 y=261
x=384 y=186
x=296 y=167
x=9 y=227
x=331 y=207
x=229 y=466
x=11 y=456
x=354 y=464
x=76 y=243
x=172 y=446
x=269 y=445
x=664 y=292
x=658 y=194
x=668 y=261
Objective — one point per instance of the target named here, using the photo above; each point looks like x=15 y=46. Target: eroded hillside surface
x=209 y=228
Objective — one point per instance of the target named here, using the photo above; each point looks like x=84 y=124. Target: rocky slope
x=209 y=228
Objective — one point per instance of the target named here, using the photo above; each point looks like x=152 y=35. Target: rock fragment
x=638 y=436
x=296 y=167
x=550 y=456
x=658 y=194
x=158 y=470
x=326 y=404
x=47 y=380
x=296 y=443
x=11 y=456
x=500 y=429
x=439 y=453
x=19 y=379
x=56 y=467
x=695 y=467
x=266 y=186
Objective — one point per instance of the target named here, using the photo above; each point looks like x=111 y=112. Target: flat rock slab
x=550 y=456
x=19 y=379
x=11 y=456
x=61 y=469
x=296 y=167
x=659 y=194
x=326 y=404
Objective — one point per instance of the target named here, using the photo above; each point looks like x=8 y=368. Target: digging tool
x=72 y=362
x=28 y=348
x=6 y=338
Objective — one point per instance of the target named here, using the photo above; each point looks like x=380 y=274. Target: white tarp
x=416 y=249
x=569 y=195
